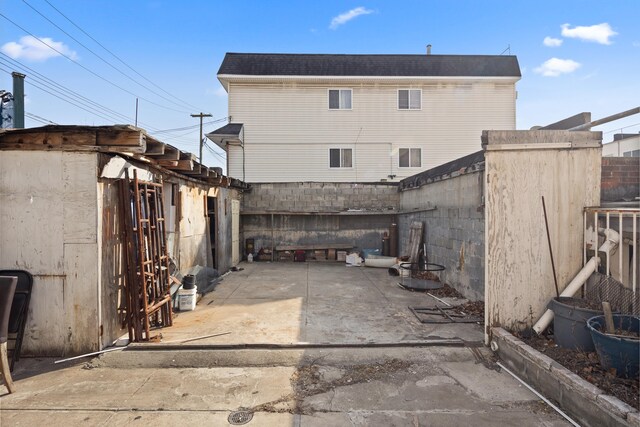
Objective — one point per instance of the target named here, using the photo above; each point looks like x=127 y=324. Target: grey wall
x=316 y=213
x=454 y=230
x=223 y=253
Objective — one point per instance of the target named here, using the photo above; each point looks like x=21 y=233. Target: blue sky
x=590 y=62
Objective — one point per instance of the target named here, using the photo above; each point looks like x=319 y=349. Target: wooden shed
x=59 y=210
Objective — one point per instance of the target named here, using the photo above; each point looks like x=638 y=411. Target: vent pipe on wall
x=428 y=49
x=18 y=100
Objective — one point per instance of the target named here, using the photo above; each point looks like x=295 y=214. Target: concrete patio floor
x=400 y=375
x=318 y=303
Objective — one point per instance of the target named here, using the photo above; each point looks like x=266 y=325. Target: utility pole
x=200 y=141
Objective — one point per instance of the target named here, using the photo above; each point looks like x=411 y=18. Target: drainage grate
x=239 y=418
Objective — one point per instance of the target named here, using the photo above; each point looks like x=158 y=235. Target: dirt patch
x=309 y=381
x=472 y=309
x=587 y=366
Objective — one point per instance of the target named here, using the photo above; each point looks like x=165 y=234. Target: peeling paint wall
x=49 y=226
x=520 y=168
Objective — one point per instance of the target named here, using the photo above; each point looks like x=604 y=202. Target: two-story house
x=359 y=118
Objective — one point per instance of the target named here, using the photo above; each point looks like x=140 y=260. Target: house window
x=340 y=99
x=409 y=99
x=634 y=153
x=340 y=158
x=410 y=157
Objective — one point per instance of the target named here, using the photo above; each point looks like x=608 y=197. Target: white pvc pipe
x=547 y=401
x=611 y=242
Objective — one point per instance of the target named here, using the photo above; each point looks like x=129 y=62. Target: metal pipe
x=553 y=264
x=620 y=249
x=608 y=271
x=588 y=126
x=18 y=100
x=635 y=255
x=611 y=242
x=547 y=401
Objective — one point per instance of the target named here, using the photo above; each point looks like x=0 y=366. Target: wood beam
x=154 y=148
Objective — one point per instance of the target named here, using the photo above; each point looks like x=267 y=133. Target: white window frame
x=409 y=167
x=409 y=99
x=353 y=160
x=340 y=108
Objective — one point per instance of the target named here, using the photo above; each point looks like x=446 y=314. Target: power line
x=39 y=118
x=98 y=56
x=53 y=85
x=191 y=127
x=619 y=129
x=116 y=56
x=89 y=70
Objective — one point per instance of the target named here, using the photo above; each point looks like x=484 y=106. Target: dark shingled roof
x=229 y=129
x=271 y=64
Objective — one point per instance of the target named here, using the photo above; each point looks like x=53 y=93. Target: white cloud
x=345 y=17
x=599 y=33
x=554 y=67
x=29 y=47
x=552 y=42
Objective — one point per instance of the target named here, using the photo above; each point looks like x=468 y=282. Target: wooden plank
x=518 y=272
x=79 y=197
x=31 y=212
x=46 y=332
x=81 y=298
x=48 y=139
x=334 y=246
x=197 y=167
x=182 y=165
x=170 y=153
x=168 y=163
x=154 y=148
x=415 y=238
x=184 y=155
x=120 y=138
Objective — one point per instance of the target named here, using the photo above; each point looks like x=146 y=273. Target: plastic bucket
x=189 y=281
x=570 y=324
x=187 y=299
x=622 y=354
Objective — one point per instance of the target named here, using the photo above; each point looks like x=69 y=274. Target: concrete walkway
x=412 y=380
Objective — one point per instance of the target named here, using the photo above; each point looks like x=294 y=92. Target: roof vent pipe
x=428 y=49
x=18 y=100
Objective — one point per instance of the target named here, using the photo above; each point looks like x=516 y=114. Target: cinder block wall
x=296 y=219
x=620 y=178
x=452 y=212
x=320 y=197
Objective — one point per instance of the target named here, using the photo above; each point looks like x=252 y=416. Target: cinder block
x=615 y=405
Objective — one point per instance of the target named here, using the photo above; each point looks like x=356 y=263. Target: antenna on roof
x=508 y=50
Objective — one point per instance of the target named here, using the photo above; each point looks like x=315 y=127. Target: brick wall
x=620 y=179
x=452 y=212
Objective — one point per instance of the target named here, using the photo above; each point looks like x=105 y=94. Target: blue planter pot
x=570 y=324
x=622 y=354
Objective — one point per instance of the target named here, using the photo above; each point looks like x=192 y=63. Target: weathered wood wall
x=522 y=166
x=48 y=223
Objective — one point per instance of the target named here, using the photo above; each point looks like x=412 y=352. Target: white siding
x=289 y=128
